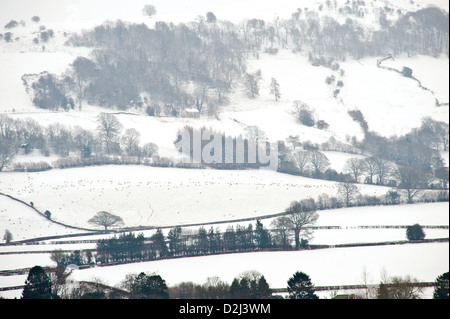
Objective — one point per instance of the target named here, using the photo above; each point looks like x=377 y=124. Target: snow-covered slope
x=150 y=196
x=147 y=196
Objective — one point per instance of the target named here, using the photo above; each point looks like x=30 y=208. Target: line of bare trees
x=110 y=138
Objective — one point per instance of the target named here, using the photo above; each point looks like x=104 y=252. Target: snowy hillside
x=384 y=108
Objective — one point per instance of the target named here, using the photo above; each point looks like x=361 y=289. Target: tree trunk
x=297 y=237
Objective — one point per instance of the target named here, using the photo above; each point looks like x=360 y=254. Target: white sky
x=66 y=10
x=173 y=10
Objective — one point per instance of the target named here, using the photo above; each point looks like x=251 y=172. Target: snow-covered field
x=391 y=103
x=24 y=223
x=147 y=196
x=338 y=266
x=151 y=196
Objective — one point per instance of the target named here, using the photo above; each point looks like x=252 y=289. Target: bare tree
x=150 y=149
x=301 y=159
x=282 y=228
x=275 y=89
x=318 y=161
x=6 y=127
x=369 y=291
x=109 y=128
x=442 y=174
x=411 y=180
x=84 y=71
x=84 y=141
x=7 y=153
x=300 y=214
x=131 y=140
x=383 y=169
x=400 y=288
x=106 y=220
x=370 y=167
x=355 y=167
x=347 y=192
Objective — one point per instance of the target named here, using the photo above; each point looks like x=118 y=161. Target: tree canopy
x=106 y=220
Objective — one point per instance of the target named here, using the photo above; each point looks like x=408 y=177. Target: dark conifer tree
x=38 y=285
x=301 y=287
x=441 y=287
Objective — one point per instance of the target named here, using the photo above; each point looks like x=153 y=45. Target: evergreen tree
x=240 y=289
x=160 y=243
x=144 y=286
x=415 y=232
x=275 y=89
x=202 y=242
x=215 y=241
x=38 y=285
x=174 y=237
x=301 y=287
x=229 y=239
x=250 y=285
x=262 y=236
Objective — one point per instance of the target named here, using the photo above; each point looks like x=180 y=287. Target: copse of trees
x=113 y=77
x=250 y=285
x=130 y=61
x=76 y=146
x=146 y=286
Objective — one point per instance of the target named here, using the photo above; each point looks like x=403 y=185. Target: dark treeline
x=75 y=146
x=218 y=150
x=53 y=283
x=410 y=162
x=178 y=243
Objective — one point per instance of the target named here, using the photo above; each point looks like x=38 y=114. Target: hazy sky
x=175 y=10
x=73 y=11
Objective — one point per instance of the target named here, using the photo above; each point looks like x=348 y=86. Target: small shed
x=190 y=113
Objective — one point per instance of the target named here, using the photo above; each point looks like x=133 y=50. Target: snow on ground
x=155 y=196
x=25 y=223
x=28 y=224
x=424 y=214
x=14 y=65
x=432 y=72
x=335 y=266
x=338 y=159
x=151 y=196
x=338 y=266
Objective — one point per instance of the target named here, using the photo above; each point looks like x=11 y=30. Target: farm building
x=190 y=113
